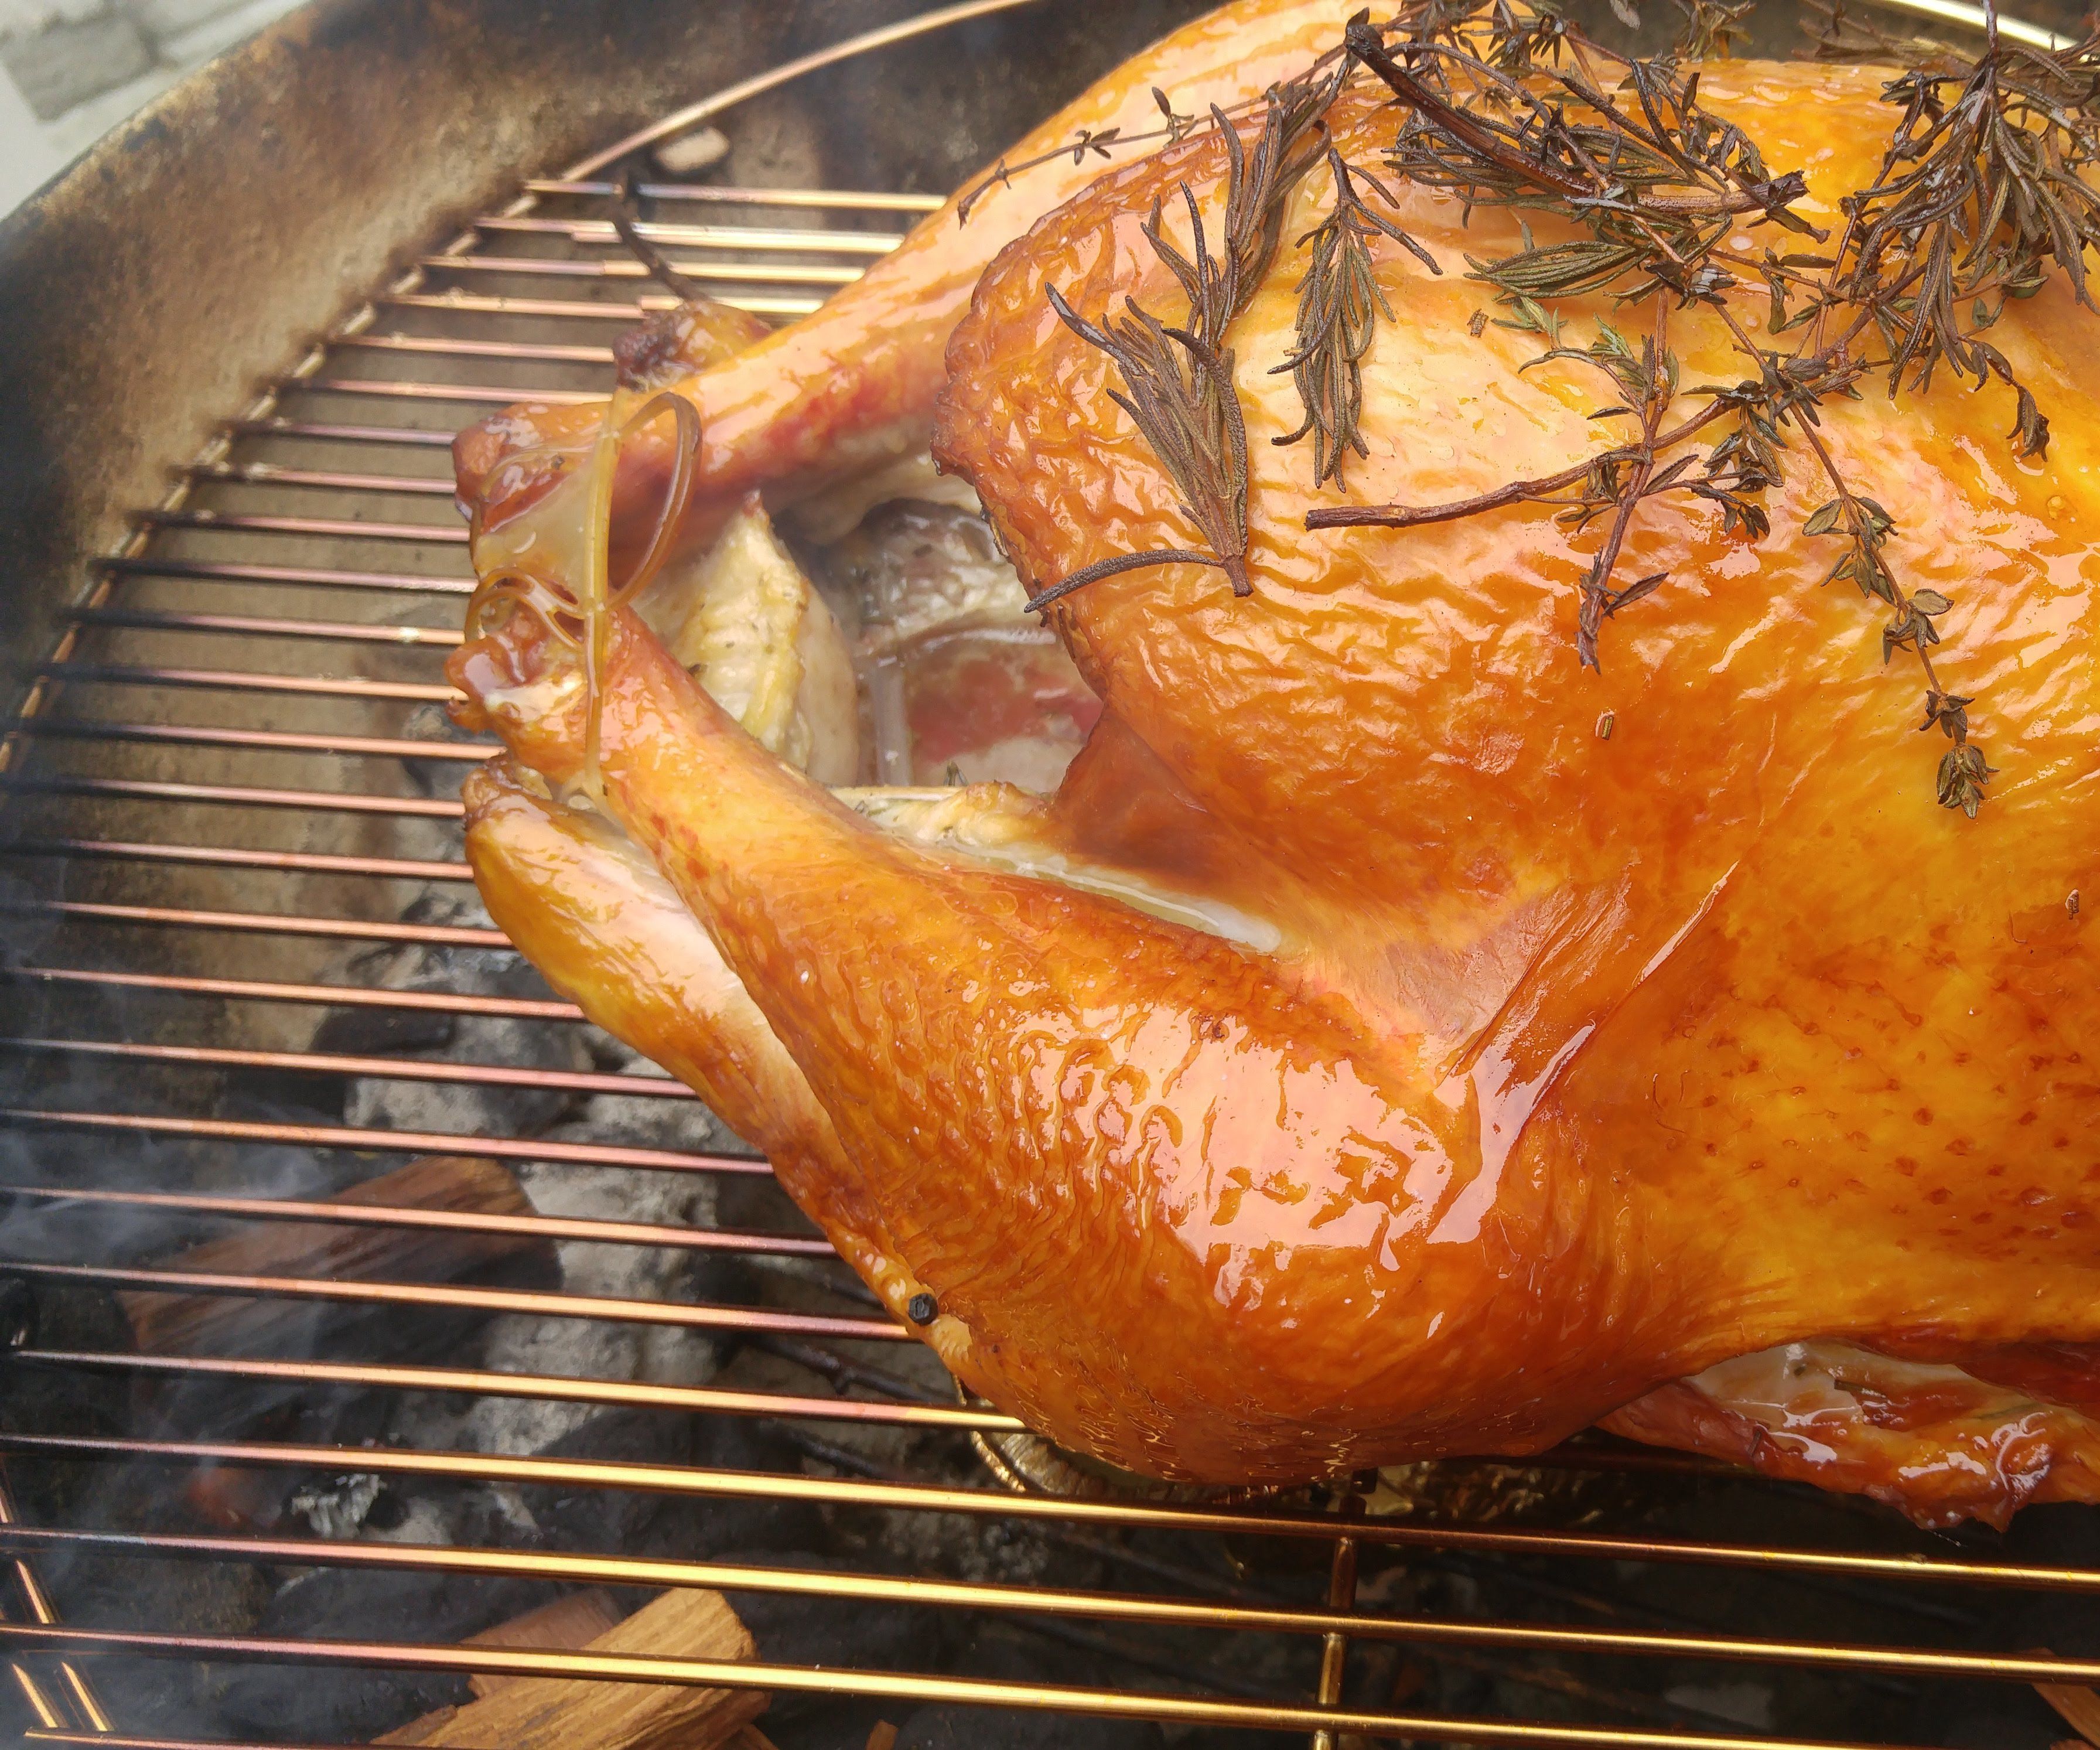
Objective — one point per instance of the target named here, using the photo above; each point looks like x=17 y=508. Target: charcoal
x=617 y=1521
x=337 y=1707
x=396 y=1604
x=2004 y=1719
x=376 y=1032
x=475 y=1039
x=431 y=722
x=647 y=1121
x=25 y=930
x=836 y=1724
x=51 y=1401
x=381 y=1103
x=335 y=1508
x=2055 y=1533
x=949 y=1728
x=599 y=1349
x=675 y=1526
x=342 y=1603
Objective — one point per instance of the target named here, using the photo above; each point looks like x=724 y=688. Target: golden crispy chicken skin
x=1732 y=964
x=1419 y=1071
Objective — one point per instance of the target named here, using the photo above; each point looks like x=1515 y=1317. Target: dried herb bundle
x=1984 y=192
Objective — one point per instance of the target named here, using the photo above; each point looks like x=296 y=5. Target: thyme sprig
x=1982 y=187
x=1099 y=141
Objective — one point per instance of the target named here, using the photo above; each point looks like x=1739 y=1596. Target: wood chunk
x=883 y=1737
x=2077 y=1706
x=231 y=1324
x=570 y=1714
x=574 y=1619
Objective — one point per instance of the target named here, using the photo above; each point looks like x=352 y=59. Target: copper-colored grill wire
x=291 y=444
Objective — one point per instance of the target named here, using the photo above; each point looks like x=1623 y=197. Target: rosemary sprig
x=1983 y=189
x=1339 y=301
x=1178 y=390
x=1178 y=386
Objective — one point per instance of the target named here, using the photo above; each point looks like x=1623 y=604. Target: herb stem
x=1540 y=490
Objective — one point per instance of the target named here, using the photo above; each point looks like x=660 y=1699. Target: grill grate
x=225 y=751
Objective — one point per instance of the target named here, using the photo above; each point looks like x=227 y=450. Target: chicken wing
x=850 y=390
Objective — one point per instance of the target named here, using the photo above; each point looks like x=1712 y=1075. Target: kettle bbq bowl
x=272 y=1453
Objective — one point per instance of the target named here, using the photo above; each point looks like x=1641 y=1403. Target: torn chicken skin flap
x=1568 y=1069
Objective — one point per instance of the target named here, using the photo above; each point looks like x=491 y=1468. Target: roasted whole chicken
x=1450 y=1000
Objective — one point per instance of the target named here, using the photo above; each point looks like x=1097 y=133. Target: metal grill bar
x=275 y=741
x=278 y=425
x=394 y=1141
x=723 y=272
x=242 y=680
x=268 y=474
x=221 y=522
x=266 y=625
x=351 y=995
x=884 y=1684
x=243 y=795
x=718 y=194
x=601 y=232
x=392 y=1069
x=226 y=571
x=624 y=1571
x=448 y=1221
x=534 y=1303
x=115 y=1740
x=472 y=1382
x=451 y=347
x=607 y=310
x=673 y=1480
x=351 y=929
x=238 y=856
x=475 y=394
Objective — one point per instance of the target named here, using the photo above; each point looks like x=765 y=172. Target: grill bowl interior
x=246 y=964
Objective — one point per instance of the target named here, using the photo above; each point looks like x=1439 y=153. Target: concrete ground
x=70 y=70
